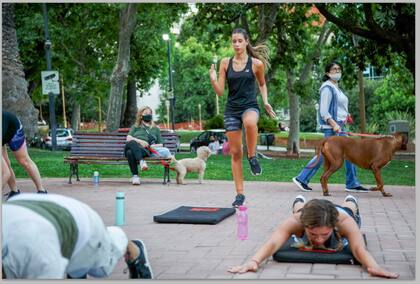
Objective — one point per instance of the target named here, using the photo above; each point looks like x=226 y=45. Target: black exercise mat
x=290 y=254
x=195 y=215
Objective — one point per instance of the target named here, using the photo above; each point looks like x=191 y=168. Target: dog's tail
x=318 y=152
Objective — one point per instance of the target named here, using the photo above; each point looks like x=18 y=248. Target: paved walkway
x=182 y=251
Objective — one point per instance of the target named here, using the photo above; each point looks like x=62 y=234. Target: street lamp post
x=199 y=115
x=50 y=95
x=168 y=104
x=171 y=96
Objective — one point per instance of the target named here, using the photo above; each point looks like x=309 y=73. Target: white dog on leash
x=197 y=165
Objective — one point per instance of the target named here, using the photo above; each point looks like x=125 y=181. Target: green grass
x=51 y=164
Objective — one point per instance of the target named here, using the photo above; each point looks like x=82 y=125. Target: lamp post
x=168 y=104
x=171 y=96
x=217 y=97
x=50 y=95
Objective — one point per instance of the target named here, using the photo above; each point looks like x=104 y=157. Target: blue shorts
x=233 y=122
x=17 y=140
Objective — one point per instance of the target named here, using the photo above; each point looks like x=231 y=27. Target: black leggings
x=134 y=153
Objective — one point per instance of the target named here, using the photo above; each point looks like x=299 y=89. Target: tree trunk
x=121 y=69
x=131 y=106
x=75 y=116
x=14 y=86
x=293 y=146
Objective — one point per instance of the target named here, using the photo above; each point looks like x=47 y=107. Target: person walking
x=333 y=117
x=241 y=72
x=14 y=137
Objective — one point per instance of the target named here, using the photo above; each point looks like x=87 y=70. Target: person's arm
x=326 y=97
x=219 y=84
x=259 y=73
x=349 y=229
x=290 y=226
x=139 y=141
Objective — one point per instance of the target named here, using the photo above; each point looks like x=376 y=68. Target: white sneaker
x=135 y=180
x=143 y=165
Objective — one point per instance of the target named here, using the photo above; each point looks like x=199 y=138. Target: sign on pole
x=50 y=82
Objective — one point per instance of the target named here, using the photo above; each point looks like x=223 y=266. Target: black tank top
x=242 y=92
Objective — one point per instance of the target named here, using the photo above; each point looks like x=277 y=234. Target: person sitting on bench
x=320 y=224
x=143 y=140
x=54 y=237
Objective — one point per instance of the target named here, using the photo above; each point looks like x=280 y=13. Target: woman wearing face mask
x=333 y=116
x=142 y=136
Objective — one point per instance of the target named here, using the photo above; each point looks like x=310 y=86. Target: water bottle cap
x=96 y=173
x=119 y=194
x=242 y=208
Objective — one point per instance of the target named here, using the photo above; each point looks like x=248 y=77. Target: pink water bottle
x=242 y=222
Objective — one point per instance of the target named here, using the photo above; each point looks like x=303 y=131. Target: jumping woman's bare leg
x=235 y=146
x=250 y=120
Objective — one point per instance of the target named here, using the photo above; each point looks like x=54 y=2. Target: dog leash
x=364 y=134
x=165 y=164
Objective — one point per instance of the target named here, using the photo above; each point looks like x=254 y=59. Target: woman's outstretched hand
x=382 y=273
x=249 y=266
x=212 y=72
x=269 y=110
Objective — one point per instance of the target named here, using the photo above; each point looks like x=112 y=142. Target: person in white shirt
x=54 y=237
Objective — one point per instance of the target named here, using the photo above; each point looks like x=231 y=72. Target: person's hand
x=378 y=271
x=212 y=72
x=249 y=266
x=143 y=143
x=269 y=110
x=336 y=128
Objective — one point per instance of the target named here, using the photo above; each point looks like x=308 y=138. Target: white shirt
x=326 y=97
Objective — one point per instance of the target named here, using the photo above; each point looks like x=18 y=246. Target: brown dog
x=370 y=153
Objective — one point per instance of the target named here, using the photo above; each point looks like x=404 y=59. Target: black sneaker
x=357 y=189
x=239 y=200
x=42 y=191
x=140 y=267
x=255 y=166
x=11 y=194
x=301 y=185
x=299 y=198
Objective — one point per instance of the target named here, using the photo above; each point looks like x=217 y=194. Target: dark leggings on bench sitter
x=134 y=153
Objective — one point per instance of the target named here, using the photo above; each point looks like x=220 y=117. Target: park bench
x=107 y=148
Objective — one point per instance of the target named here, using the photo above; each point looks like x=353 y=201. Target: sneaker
x=42 y=191
x=299 y=198
x=301 y=185
x=239 y=200
x=135 y=180
x=140 y=267
x=255 y=166
x=11 y=193
x=143 y=165
x=357 y=189
x=351 y=198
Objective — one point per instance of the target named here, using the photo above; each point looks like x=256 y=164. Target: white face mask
x=335 y=76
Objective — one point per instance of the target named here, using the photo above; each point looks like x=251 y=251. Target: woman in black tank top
x=241 y=72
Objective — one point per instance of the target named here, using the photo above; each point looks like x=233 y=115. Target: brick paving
x=183 y=251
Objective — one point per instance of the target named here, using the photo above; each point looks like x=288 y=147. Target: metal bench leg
x=71 y=173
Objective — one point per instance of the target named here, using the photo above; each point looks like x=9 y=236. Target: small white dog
x=196 y=165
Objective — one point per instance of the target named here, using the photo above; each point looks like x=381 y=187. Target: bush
x=266 y=125
x=215 y=122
